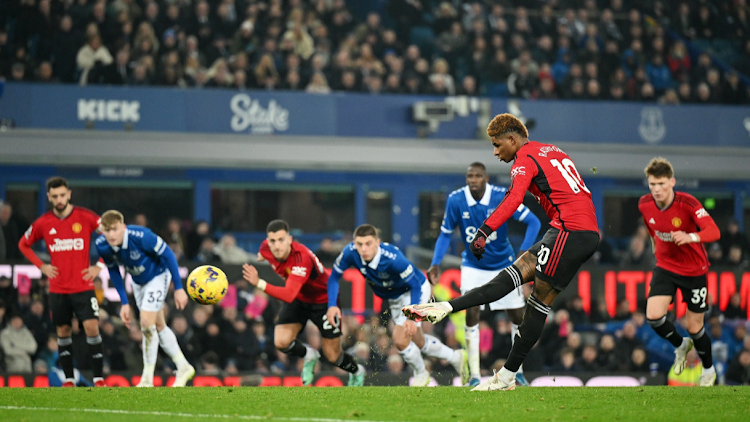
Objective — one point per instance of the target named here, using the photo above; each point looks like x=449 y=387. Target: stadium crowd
x=670 y=51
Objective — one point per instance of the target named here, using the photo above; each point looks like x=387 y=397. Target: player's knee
x=148 y=331
x=658 y=321
x=281 y=344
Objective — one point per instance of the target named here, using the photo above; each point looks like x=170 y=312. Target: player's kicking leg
x=168 y=343
x=285 y=340
x=516 y=318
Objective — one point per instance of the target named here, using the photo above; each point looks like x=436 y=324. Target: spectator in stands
x=715 y=254
x=626 y=343
x=575 y=310
x=638 y=360
x=93 y=56
x=13 y=227
x=19 y=346
x=589 y=359
x=318 y=84
x=734 y=309
x=395 y=364
x=732 y=235
x=606 y=356
x=194 y=239
x=229 y=252
x=39 y=323
x=735 y=257
x=4 y=315
x=8 y=295
x=738 y=372
x=114 y=347
x=567 y=362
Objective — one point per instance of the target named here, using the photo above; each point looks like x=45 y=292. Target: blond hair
x=659 y=167
x=111 y=217
x=506 y=123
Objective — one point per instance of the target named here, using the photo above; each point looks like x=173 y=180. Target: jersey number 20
x=571 y=175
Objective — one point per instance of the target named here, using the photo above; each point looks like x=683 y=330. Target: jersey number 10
x=571 y=175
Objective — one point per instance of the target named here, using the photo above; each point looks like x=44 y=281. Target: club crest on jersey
x=135 y=255
x=77 y=227
x=515 y=171
x=676 y=222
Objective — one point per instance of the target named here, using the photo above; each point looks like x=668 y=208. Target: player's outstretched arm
x=441 y=247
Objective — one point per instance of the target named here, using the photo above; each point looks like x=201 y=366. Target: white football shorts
x=150 y=296
x=404 y=300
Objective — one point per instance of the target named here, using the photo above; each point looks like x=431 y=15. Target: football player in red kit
x=67 y=231
x=550 y=175
x=679 y=226
x=305 y=294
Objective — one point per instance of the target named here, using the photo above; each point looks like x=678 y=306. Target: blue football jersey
x=464 y=212
x=141 y=253
x=389 y=274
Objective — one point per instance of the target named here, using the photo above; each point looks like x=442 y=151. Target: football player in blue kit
x=396 y=280
x=152 y=265
x=466 y=209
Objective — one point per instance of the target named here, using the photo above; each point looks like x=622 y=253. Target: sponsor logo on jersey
x=466 y=215
x=676 y=222
x=299 y=271
x=109 y=110
x=651 y=221
x=135 y=270
x=701 y=213
x=77 y=227
x=135 y=255
x=52 y=232
x=62 y=245
x=515 y=171
x=664 y=237
x=248 y=113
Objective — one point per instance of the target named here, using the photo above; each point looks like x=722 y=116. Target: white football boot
x=432 y=312
x=680 y=355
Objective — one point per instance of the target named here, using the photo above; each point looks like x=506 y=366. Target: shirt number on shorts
x=152 y=299
x=327 y=325
x=543 y=255
x=699 y=296
x=95 y=307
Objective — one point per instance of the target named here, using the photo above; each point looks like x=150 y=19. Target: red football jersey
x=68 y=240
x=684 y=214
x=306 y=279
x=550 y=175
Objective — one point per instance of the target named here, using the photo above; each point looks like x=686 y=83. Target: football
x=207 y=285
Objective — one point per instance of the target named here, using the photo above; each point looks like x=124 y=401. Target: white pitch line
x=182 y=415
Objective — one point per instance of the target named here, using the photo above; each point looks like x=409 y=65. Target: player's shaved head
x=659 y=167
x=506 y=123
x=56 y=182
x=477 y=165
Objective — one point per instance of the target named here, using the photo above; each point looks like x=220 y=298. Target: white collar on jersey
x=375 y=261
x=485 y=199
x=124 y=242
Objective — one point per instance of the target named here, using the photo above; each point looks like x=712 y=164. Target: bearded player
x=679 y=226
x=551 y=176
x=67 y=230
x=306 y=295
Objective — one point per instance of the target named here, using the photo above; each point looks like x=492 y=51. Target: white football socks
x=168 y=342
x=150 y=350
x=435 y=348
x=472 y=348
x=413 y=358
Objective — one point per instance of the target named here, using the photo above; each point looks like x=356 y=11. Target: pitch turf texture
x=375 y=404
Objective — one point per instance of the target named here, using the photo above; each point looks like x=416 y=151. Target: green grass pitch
x=375 y=404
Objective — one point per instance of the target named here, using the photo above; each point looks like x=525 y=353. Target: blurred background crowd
x=671 y=51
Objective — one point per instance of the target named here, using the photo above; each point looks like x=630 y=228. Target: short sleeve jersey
x=462 y=211
x=140 y=253
x=389 y=274
x=301 y=266
x=551 y=176
x=684 y=214
x=68 y=241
